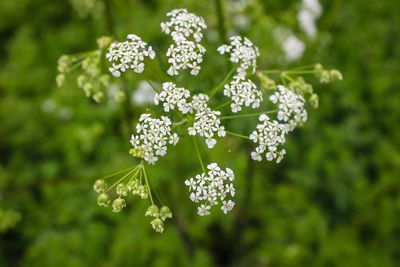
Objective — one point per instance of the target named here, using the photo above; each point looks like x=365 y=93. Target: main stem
x=198 y=154
x=221 y=20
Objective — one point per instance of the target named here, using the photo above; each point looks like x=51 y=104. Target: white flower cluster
x=199 y=103
x=243 y=92
x=242 y=51
x=293 y=48
x=172 y=97
x=185 y=53
x=152 y=138
x=269 y=136
x=129 y=55
x=290 y=107
x=183 y=25
x=210 y=188
x=310 y=11
x=207 y=124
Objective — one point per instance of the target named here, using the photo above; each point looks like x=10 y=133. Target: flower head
x=269 y=136
x=172 y=96
x=207 y=124
x=129 y=54
x=185 y=55
x=152 y=138
x=243 y=92
x=186 y=30
x=183 y=25
x=243 y=52
x=211 y=188
x=290 y=107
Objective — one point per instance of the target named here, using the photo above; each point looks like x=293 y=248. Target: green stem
x=247 y=115
x=147 y=184
x=118 y=172
x=152 y=86
x=176 y=124
x=224 y=104
x=238 y=135
x=221 y=20
x=221 y=84
x=121 y=179
x=198 y=154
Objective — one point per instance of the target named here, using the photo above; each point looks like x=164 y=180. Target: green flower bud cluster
x=8 y=219
x=160 y=215
x=327 y=76
x=137 y=152
x=266 y=82
x=131 y=182
x=91 y=80
x=300 y=86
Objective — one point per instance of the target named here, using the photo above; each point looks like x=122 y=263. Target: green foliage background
x=333 y=201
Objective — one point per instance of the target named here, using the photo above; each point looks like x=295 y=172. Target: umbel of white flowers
x=128 y=55
x=211 y=188
x=186 y=31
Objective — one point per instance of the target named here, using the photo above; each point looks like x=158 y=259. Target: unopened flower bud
x=165 y=213
x=60 y=80
x=157 y=225
x=104 y=42
x=103 y=200
x=142 y=191
x=266 y=82
x=335 y=75
x=314 y=100
x=118 y=204
x=100 y=186
x=121 y=190
x=152 y=211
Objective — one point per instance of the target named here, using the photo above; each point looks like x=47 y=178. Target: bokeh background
x=333 y=201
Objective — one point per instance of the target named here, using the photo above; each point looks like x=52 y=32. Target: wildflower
x=227 y=206
x=199 y=103
x=152 y=137
x=207 y=124
x=185 y=55
x=241 y=51
x=129 y=54
x=211 y=187
x=183 y=25
x=243 y=92
x=269 y=136
x=293 y=48
x=172 y=97
x=186 y=31
x=290 y=107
